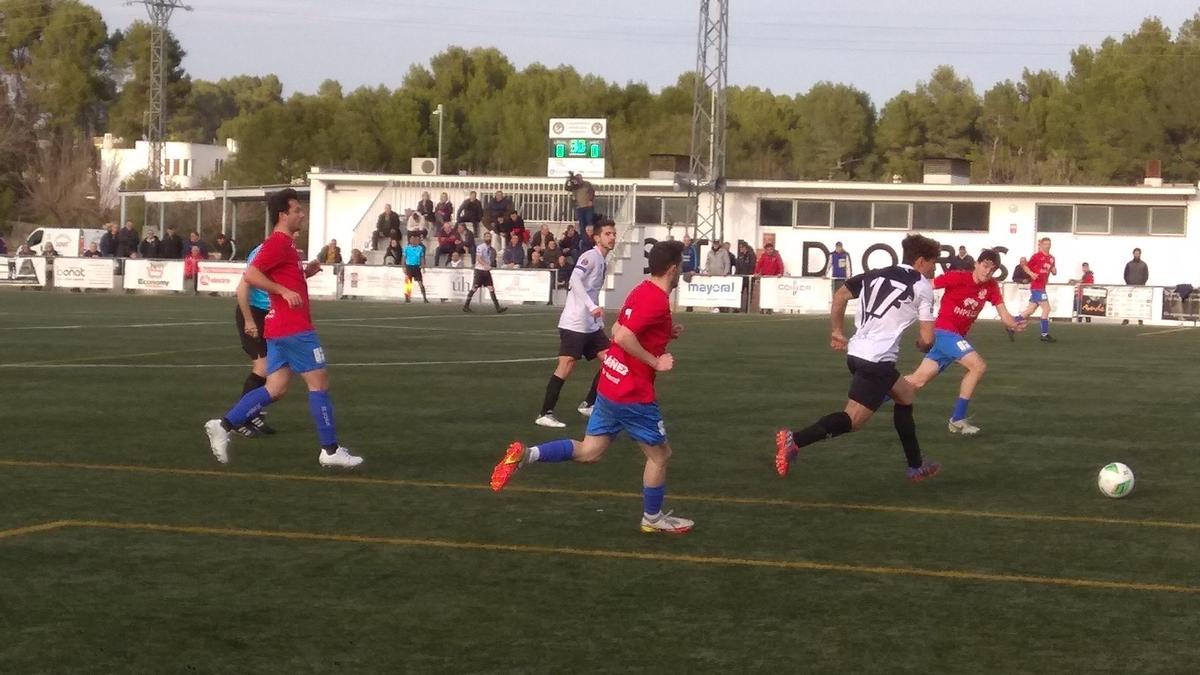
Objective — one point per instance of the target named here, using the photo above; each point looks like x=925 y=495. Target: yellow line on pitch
x=709 y=499
x=956 y=575
x=31 y=529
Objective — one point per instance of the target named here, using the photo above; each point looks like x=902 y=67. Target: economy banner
x=153 y=275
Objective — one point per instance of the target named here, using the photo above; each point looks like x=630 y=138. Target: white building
x=185 y=165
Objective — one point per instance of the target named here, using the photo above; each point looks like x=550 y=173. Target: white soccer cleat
x=342 y=458
x=549 y=420
x=963 y=427
x=585 y=409
x=666 y=524
x=218 y=440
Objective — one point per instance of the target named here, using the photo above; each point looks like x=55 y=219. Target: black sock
x=331 y=448
x=470 y=295
x=252 y=382
x=227 y=425
x=494 y=300
x=423 y=296
x=591 y=397
x=829 y=426
x=906 y=428
x=553 y=389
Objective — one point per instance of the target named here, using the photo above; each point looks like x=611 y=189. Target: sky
x=784 y=46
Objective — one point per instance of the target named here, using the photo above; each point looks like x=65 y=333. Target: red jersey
x=1041 y=264
x=646 y=312
x=963 y=300
x=280 y=261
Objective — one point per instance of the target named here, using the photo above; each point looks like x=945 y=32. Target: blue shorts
x=642 y=421
x=1036 y=297
x=301 y=352
x=947 y=348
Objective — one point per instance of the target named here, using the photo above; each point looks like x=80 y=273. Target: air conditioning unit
x=425 y=166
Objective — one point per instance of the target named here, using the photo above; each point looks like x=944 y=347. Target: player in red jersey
x=292 y=344
x=626 y=400
x=1040 y=267
x=966 y=293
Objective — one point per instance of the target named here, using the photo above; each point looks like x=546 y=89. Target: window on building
x=891 y=215
x=849 y=214
x=970 y=216
x=813 y=214
x=1055 y=217
x=218 y=166
x=648 y=210
x=679 y=210
x=1091 y=219
x=775 y=212
x=1131 y=220
x=931 y=216
x=1168 y=220
x=187 y=167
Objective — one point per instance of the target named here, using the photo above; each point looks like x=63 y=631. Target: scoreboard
x=579 y=145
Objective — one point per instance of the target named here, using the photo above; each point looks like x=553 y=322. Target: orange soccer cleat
x=513 y=458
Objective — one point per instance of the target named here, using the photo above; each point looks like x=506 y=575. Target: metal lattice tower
x=160 y=16
x=707 y=166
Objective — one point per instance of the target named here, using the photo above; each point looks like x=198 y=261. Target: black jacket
x=388 y=222
x=108 y=245
x=470 y=211
x=150 y=248
x=1137 y=273
x=171 y=247
x=745 y=262
x=127 y=242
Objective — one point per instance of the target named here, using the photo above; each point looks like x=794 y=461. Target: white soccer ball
x=1115 y=480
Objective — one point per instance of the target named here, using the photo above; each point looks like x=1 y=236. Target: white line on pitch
x=1167 y=331
x=179 y=366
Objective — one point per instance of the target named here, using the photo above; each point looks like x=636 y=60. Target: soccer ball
x=1115 y=480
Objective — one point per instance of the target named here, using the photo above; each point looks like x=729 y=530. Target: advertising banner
x=219 y=277
x=517 y=286
x=809 y=295
x=24 y=272
x=154 y=275
x=704 y=291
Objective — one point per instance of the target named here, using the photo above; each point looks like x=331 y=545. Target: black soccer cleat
x=1049 y=338
x=260 y=425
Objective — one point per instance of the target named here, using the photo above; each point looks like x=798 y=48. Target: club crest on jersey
x=982 y=293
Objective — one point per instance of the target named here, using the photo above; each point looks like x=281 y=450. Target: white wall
x=118 y=164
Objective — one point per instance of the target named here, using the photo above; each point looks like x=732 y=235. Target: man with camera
x=585 y=199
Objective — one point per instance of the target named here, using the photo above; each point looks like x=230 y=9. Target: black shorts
x=872 y=381
x=413 y=272
x=255 y=348
x=483 y=278
x=581 y=345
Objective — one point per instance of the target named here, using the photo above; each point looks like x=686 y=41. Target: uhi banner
x=808 y=295
x=703 y=291
x=153 y=275
x=446 y=283
x=24 y=272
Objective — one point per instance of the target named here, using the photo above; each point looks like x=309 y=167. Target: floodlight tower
x=707 y=166
x=160 y=16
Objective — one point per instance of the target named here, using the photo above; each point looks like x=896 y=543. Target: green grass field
x=124 y=547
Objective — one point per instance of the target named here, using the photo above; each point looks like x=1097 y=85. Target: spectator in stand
x=770 y=263
x=1086 y=278
x=514 y=255
x=127 y=240
x=222 y=248
x=564 y=271
x=357 y=257
x=569 y=241
x=416 y=226
x=443 y=211
x=456 y=261
x=586 y=241
x=962 y=261
x=191 y=264
x=448 y=242
x=172 y=245
x=716 y=264
x=150 y=247
x=840 y=267
x=425 y=210
x=330 y=253
x=691 y=256
x=1137 y=273
x=93 y=251
x=108 y=241
x=732 y=258
x=518 y=227
x=536 y=262
x=48 y=251
x=388 y=221
x=194 y=241
x=500 y=206
x=466 y=239
x=551 y=251
x=744 y=266
x=542 y=236
x=585 y=199
x=25 y=251
x=1020 y=276
x=394 y=254
x=503 y=227
x=471 y=211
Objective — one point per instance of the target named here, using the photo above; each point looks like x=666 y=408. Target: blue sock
x=1045 y=326
x=554 y=451
x=250 y=405
x=322 y=412
x=960 y=409
x=652 y=498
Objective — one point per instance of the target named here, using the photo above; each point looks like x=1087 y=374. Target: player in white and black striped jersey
x=581 y=326
x=889 y=301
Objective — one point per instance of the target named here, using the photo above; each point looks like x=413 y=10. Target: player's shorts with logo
x=642 y=421
x=871 y=381
x=255 y=347
x=581 y=345
x=948 y=347
x=1038 y=296
x=483 y=278
x=301 y=352
x=413 y=272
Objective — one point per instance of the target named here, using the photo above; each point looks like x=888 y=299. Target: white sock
x=533 y=454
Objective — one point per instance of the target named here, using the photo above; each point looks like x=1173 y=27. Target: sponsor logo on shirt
x=616 y=366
